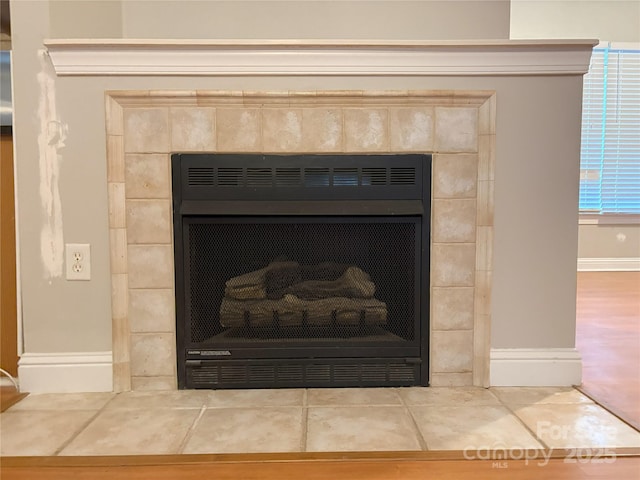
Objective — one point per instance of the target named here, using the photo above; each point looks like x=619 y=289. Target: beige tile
x=150 y=266
x=119 y=312
x=153 y=384
x=456 y=129
x=247 y=430
x=447 y=396
x=452 y=308
x=152 y=354
x=282 y=130
x=452 y=351
x=39 y=432
x=366 y=130
x=63 y=401
x=147 y=176
x=453 y=265
x=481 y=348
x=487 y=116
x=134 y=432
x=118 y=250
x=483 y=289
x=176 y=399
x=455 y=176
x=115 y=158
x=486 y=157
x=114 y=121
x=239 y=129
x=485 y=203
x=352 y=396
x=472 y=427
x=117 y=211
x=322 y=130
x=146 y=130
x=375 y=428
x=454 y=220
x=256 y=398
x=152 y=310
x=411 y=129
x=577 y=425
x=533 y=395
x=149 y=221
x=451 y=379
x=484 y=248
x=193 y=129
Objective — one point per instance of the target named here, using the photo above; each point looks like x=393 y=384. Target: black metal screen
x=301 y=270
x=317 y=250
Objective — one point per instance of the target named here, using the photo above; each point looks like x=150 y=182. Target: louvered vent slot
x=374 y=176
x=316 y=177
x=205 y=375
x=346 y=373
x=259 y=177
x=374 y=373
x=233 y=374
x=345 y=177
x=229 y=176
x=288 y=177
x=262 y=373
x=318 y=373
x=401 y=373
x=290 y=373
x=200 y=176
x=402 y=176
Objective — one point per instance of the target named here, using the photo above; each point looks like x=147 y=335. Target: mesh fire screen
x=320 y=281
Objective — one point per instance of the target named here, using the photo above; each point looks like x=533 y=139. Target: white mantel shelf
x=126 y=57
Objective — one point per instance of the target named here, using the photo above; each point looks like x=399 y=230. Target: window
x=610 y=149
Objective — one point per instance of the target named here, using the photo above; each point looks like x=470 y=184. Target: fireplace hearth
x=301 y=270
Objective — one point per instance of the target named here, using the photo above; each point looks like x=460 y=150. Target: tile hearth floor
x=313 y=420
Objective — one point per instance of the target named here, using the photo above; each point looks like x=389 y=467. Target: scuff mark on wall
x=51 y=140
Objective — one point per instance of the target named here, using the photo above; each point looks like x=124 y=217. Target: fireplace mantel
x=123 y=57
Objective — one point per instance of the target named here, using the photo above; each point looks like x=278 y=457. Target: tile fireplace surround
x=144 y=127
x=343 y=97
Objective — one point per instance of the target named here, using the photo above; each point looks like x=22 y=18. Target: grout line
x=421 y=440
x=533 y=434
x=189 y=434
x=66 y=443
x=305 y=424
x=518 y=419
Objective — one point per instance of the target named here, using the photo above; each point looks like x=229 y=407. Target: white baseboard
x=609 y=264
x=535 y=367
x=66 y=372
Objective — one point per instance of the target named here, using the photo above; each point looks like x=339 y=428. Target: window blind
x=610 y=146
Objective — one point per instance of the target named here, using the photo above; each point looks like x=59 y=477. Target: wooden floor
x=383 y=466
x=608 y=338
x=9 y=396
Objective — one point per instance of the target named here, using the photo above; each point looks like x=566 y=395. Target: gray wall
x=607 y=20
x=534 y=272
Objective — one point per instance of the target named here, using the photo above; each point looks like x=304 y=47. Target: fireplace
x=301 y=270
x=455 y=131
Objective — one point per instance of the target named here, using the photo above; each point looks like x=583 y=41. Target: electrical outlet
x=78 y=257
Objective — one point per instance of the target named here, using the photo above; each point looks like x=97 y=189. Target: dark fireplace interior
x=301 y=270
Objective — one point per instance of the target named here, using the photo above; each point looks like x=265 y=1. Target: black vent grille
x=224 y=374
x=273 y=177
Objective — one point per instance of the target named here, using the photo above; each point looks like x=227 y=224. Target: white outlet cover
x=78 y=261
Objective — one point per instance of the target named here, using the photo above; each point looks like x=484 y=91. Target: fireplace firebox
x=301 y=270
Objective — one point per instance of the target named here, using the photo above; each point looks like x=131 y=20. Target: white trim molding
x=66 y=372
x=318 y=57
x=535 y=367
x=609 y=264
